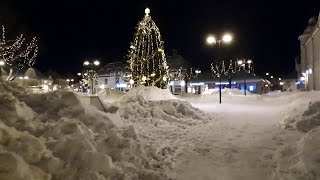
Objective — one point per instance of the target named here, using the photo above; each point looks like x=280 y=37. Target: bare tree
x=17 y=54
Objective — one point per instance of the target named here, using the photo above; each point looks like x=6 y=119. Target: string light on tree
x=17 y=54
x=147 y=60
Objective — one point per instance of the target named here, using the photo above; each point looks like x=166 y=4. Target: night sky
x=71 y=31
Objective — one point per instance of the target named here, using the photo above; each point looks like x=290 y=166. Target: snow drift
x=301 y=161
x=302 y=112
x=53 y=136
x=227 y=91
x=150 y=93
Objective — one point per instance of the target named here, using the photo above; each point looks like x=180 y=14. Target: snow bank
x=155 y=103
x=161 y=121
x=227 y=91
x=151 y=93
x=302 y=111
x=109 y=95
x=53 y=136
x=301 y=161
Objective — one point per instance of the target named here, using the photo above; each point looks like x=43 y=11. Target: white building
x=310 y=55
x=114 y=76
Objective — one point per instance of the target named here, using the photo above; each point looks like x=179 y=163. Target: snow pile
x=157 y=105
x=227 y=91
x=109 y=95
x=151 y=93
x=302 y=112
x=53 y=136
x=161 y=121
x=301 y=161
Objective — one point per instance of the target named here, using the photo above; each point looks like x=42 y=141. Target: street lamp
x=242 y=63
x=90 y=73
x=227 y=38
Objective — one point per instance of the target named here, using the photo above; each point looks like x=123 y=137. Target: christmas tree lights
x=147 y=59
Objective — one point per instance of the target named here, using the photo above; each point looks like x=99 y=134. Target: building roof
x=176 y=61
x=113 y=67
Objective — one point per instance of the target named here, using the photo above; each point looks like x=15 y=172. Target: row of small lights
x=271 y=77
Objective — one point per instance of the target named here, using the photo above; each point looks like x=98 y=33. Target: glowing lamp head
x=211 y=40
x=267 y=74
x=79 y=74
x=249 y=61
x=164 y=78
x=271 y=77
x=281 y=83
x=131 y=81
x=227 y=38
x=2 y=63
x=26 y=77
x=68 y=80
x=239 y=62
x=96 y=63
x=86 y=63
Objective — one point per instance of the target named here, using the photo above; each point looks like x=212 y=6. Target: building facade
x=309 y=66
x=179 y=68
x=114 y=76
x=205 y=82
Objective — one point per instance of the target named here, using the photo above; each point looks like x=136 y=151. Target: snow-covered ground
x=150 y=134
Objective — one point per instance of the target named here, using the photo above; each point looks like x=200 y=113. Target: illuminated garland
x=17 y=54
x=219 y=69
x=147 y=59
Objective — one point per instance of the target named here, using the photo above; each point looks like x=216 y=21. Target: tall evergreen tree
x=147 y=59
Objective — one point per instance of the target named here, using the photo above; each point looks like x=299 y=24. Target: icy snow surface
x=150 y=134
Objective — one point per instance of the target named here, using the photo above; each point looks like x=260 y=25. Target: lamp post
x=90 y=73
x=211 y=40
x=244 y=64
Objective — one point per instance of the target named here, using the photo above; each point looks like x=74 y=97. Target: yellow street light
x=96 y=63
x=2 y=63
x=211 y=40
x=86 y=63
x=227 y=38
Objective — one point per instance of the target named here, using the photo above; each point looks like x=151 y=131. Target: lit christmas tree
x=147 y=59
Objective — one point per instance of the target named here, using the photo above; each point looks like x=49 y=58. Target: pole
x=219 y=59
x=220 y=90
x=245 y=87
x=92 y=86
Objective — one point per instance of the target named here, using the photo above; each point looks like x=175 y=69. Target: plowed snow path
x=239 y=145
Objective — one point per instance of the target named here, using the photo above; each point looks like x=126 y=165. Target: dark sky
x=70 y=31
